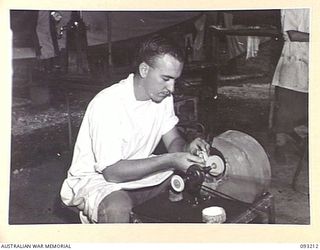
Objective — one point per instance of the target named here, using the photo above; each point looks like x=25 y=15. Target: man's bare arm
x=173 y=141
x=298 y=36
x=176 y=159
x=128 y=170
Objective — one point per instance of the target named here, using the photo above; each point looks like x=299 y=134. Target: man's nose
x=170 y=85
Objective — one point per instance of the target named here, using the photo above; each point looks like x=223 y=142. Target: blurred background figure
x=291 y=79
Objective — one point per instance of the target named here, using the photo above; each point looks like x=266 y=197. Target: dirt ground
x=41 y=156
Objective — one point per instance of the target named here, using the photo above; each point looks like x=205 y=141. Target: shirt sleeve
x=170 y=119
x=289 y=20
x=105 y=134
x=296 y=19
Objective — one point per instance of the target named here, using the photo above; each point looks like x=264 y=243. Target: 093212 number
x=309 y=246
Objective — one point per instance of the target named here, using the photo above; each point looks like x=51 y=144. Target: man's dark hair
x=156 y=46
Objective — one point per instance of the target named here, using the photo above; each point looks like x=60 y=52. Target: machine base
x=161 y=210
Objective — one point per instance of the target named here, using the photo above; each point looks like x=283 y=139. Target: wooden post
x=109 y=37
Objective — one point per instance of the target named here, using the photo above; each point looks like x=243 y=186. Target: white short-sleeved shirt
x=115 y=127
x=292 y=71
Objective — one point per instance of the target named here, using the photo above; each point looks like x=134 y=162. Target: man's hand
x=183 y=160
x=197 y=145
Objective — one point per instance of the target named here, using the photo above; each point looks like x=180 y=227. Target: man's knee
x=115 y=208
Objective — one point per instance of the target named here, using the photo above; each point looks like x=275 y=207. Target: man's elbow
x=110 y=176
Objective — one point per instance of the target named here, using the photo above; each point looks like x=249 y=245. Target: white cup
x=213 y=215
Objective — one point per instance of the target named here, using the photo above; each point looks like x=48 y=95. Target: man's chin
x=159 y=99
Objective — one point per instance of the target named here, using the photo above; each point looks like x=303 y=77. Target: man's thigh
x=139 y=196
x=116 y=206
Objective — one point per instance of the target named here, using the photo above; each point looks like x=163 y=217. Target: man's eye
x=166 y=79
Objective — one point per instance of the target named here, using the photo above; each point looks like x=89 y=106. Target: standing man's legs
x=291 y=111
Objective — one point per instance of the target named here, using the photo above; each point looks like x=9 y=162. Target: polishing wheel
x=216 y=164
x=177 y=183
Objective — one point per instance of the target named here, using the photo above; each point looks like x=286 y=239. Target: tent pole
x=109 y=34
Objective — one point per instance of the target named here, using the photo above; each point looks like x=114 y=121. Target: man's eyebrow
x=168 y=76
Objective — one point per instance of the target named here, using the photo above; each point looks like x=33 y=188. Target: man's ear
x=143 y=69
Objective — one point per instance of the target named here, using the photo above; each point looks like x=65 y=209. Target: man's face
x=161 y=76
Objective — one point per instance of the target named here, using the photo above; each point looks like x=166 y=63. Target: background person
x=291 y=77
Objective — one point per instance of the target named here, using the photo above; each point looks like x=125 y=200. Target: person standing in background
x=291 y=78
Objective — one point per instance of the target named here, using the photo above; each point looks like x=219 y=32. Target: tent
x=104 y=27
x=101 y=26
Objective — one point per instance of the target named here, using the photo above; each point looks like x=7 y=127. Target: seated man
x=113 y=162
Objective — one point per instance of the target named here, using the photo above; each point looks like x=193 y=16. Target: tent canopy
x=111 y=26
x=122 y=25
x=126 y=25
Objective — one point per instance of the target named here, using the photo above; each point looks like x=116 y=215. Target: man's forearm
x=298 y=36
x=128 y=170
